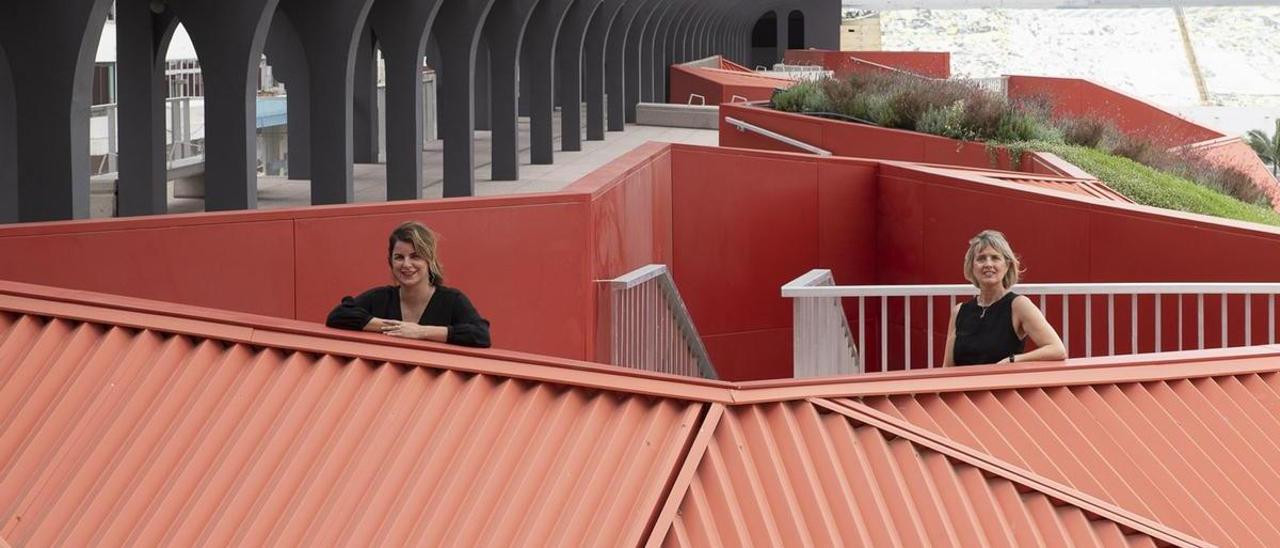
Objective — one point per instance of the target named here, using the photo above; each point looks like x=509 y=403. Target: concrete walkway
x=370 y=179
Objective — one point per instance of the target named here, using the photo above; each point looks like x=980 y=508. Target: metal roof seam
x=990 y=464
x=665 y=515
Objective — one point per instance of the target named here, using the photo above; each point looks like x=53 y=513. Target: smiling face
x=989 y=267
x=407 y=266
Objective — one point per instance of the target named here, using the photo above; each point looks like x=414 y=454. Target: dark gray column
x=593 y=67
x=329 y=30
x=663 y=54
x=536 y=51
x=782 y=28
x=483 y=85
x=142 y=38
x=631 y=66
x=51 y=47
x=401 y=27
x=289 y=65
x=364 y=106
x=504 y=30
x=457 y=28
x=8 y=144
x=819 y=32
x=573 y=34
x=650 y=49
x=229 y=38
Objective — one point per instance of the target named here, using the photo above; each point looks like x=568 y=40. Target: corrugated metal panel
x=118 y=436
x=1201 y=455
x=803 y=473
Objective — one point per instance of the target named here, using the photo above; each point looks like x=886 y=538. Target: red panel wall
x=933 y=64
x=720 y=86
x=744 y=224
x=523 y=261
x=684 y=82
x=1076 y=97
x=855 y=140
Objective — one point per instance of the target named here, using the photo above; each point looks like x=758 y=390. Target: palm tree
x=1267 y=147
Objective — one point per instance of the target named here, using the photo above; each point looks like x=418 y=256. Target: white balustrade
x=822 y=341
x=648 y=327
x=1154 y=317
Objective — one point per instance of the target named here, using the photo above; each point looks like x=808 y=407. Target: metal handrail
x=776 y=136
x=649 y=326
x=791 y=289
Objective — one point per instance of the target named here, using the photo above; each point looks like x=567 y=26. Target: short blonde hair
x=997 y=242
x=423 y=241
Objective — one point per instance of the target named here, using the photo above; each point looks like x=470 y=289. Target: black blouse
x=986 y=336
x=448 y=307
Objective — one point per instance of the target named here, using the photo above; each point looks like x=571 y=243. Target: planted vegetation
x=1134 y=166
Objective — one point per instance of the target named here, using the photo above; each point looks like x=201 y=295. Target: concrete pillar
x=483 y=85
x=819 y=32
x=593 y=65
x=51 y=48
x=329 y=30
x=573 y=34
x=142 y=38
x=504 y=31
x=628 y=80
x=457 y=28
x=782 y=28
x=229 y=39
x=663 y=55
x=8 y=144
x=650 y=50
x=364 y=106
x=289 y=66
x=401 y=27
x=536 y=50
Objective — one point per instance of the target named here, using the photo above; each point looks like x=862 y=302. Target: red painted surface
x=1082 y=98
x=1235 y=153
x=932 y=64
x=721 y=85
x=734 y=225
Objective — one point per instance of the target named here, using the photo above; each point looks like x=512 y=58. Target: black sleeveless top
x=986 y=336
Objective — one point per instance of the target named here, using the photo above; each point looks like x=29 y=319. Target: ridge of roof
x=991 y=465
x=311 y=337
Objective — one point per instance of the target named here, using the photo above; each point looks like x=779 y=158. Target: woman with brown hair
x=418 y=305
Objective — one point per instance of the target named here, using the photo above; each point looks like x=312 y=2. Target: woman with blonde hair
x=993 y=327
x=418 y=305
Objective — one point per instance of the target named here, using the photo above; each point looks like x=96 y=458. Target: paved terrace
x=370 y=179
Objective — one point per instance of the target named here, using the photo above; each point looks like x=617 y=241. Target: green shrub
x=947 y=121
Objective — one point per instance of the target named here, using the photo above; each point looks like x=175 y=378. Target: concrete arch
x=329 y=31
x=143 y=38
x=8 y=144
x=593 y=71
x=364 y=99
x=505 y=28
x=401 y=28
x=458 y=27
x=536 y=65
x=633 y=65
x=569 y=45
x=229 y=38
x=52 y=101
x=283 y=49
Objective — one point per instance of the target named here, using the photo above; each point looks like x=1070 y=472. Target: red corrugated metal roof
x=115 y=431
x=1085 y=187
x=124 y=421
x=1196 y=451
x=816 y=473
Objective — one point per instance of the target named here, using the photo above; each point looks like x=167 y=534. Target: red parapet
x=929 y=64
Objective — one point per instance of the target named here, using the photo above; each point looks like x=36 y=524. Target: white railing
x=648 y=327
x=1093 y=319
x=822 y=341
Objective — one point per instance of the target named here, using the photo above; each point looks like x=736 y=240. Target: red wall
x=1076 y=97
x=933 y=64
x=855 y=140
x=528 y=262
x=745 y=223
x=720 y=86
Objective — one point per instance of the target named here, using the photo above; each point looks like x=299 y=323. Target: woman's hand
x=396 y=328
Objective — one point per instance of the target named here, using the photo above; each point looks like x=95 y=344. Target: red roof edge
x=1020 y=476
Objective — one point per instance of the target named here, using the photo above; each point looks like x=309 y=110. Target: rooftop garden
x=1134 y=166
